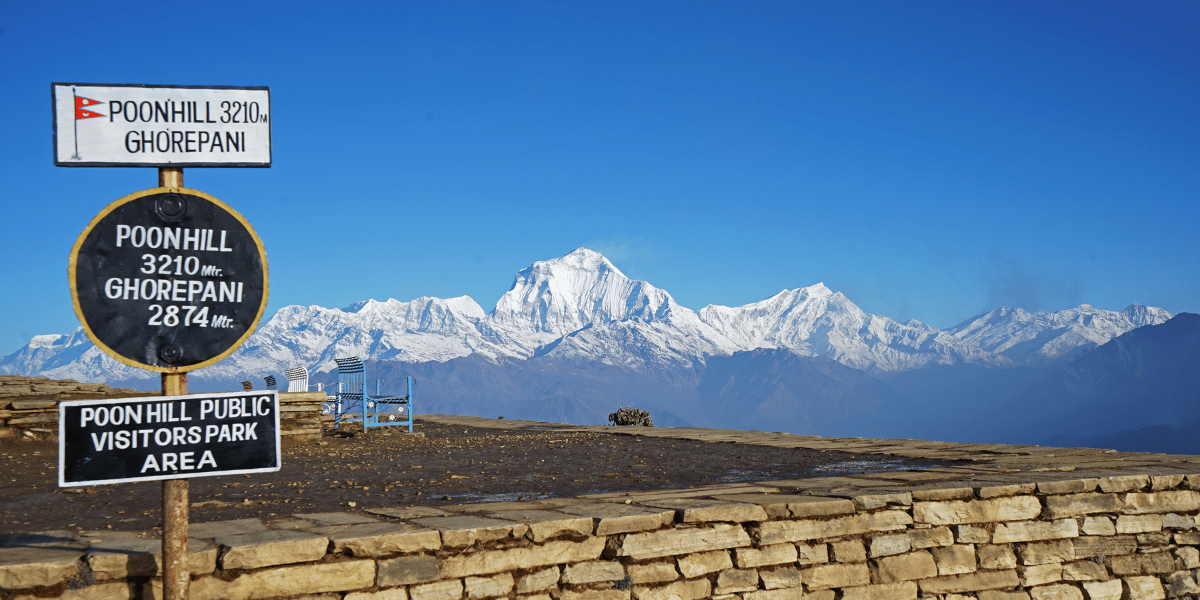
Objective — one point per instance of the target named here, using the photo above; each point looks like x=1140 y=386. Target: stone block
x=488 y=587
x=1092 y=546
x=1162 y=502
x=703 y=563
x=848 y=551
x=877 y=501
x=381 y=539
x=1190 y=538
x=464 y=530
x=1150 y=541
x=954 y=560
x=1012 y=489
x=547 y=524
x=788 y=594
x=1123 y=483
x=1084 y=570
x=281 y=581
x=1174 y=521
x=38 y=559
x=698 y=510
x=888 y=545
x=957 y=512
x=970 y=534
x=1139 y=523
x=1041 y=553
x=392 y=594
x=270 y=548
x=680 y=590
x=439 y=590
x=1098 y=526
x=1059 y=591
x=215 y=529
x=593 y=572
x=1075 y=505
x=1165 y=482
x=903 y=590
x=408 y=570
x=113 y=590
x=1030 y=531
x=970 y=582
x=1104 y=590
x=774 y=532
x=1142 y=564
x=539 y=580
x=731 y=581
x=903 y=567
x=998 y=595
x=774 y=554
x=1070 y=486
x=653 y=573
x=1041 y=574
x=929 y=538
x=119 y=554
x=993 y=557
x=409 y=512
x=1190 y=557
x=610 y=594
x=960 y=493
x=327 y=519
x=1144 y=588
x=812 y=554
x=614 y=518
x=785 y=577
x=1182 y=583
x=496 y=561
x=839 y=575
x=774 y=505
x=673 y=542
x=818 y=506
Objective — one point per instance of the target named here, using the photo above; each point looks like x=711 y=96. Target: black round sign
x=169 y=279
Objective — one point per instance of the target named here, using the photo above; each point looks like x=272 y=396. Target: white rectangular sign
x=106 y=125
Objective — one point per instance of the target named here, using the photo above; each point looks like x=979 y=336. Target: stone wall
x=29 y=406
x=1126 y=537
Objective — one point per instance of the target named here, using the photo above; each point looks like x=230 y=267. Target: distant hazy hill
x=1146 y=378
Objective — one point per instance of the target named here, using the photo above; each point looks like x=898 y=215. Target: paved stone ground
x=471 y=464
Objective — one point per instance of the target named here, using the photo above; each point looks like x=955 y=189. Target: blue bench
x=352 y=403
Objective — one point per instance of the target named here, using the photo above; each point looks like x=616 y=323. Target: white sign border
x=54 y=126
x=62 y=438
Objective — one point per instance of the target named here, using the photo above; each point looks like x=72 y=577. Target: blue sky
x=931 y=160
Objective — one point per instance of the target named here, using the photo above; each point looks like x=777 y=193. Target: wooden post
x=176 y=579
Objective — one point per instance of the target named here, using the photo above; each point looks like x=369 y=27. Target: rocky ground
x=440 y=465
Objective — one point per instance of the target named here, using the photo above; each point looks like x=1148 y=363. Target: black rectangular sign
x=168 y=437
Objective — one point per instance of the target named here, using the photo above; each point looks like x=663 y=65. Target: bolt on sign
x=171 y=437
x=105 y=125
x=168 y=280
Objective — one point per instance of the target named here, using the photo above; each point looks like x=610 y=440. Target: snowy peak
x=582 y=288
x=816 y=321
x=1028 y=338
x=1141 y=316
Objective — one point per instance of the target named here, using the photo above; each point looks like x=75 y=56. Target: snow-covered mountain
x=581 y=309
x=1031 y=338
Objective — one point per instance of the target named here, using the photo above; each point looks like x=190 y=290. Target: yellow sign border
x=262 y=253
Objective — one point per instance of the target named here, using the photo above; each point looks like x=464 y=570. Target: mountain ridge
x=581 y=309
